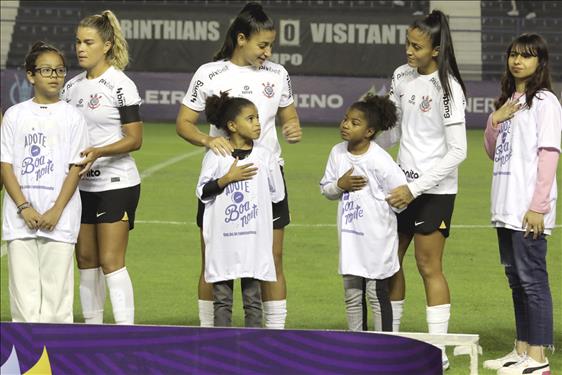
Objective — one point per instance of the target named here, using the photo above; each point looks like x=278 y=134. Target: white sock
x=438 y=322
x=92 y=295
x=121 y=295
x=397 y=308
x=206 y=313
x=275 y=314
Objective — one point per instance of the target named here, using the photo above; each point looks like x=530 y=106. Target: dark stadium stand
x=498 y=29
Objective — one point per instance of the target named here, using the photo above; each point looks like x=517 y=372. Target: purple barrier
x=318 y=99
x=109 y=349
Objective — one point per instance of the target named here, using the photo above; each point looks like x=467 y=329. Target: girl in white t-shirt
x=242 y=68
x=522 y=138
x=40 y=156
x=360 y=174
x=110 y=189
x=237 y=191
x=430 y=96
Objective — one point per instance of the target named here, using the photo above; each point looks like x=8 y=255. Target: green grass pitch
x=164 y=254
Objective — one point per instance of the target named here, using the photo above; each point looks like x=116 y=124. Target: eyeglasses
x=48 y=72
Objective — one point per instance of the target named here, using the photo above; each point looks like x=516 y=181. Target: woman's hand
x=400 y=197
x=219 y=145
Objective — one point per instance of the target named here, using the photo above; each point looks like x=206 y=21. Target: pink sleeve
x=546 y=172
x=490 y=137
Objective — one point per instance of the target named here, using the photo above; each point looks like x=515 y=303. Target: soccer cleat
x=526 y=366
x=507 y=360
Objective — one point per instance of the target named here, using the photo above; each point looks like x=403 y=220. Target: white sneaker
x=513 y=13
x=507 y=360
x=526 y=366
x=531 y=15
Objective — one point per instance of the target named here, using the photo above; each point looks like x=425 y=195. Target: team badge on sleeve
x=268 y=89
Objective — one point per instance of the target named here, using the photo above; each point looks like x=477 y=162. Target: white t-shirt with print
x=516 y=160
x=99 y=99
x=367 y=225
x=424 y=112
x=237 y=226
x=268 y=87
x=40 y=141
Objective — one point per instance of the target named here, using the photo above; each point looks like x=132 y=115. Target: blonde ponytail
x=109 y=29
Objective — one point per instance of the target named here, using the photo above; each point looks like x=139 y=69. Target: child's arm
x=275 y=179
x=490 y=136
x=28 y=214
x=51 y=217
x=394 y=177
x=329 y=182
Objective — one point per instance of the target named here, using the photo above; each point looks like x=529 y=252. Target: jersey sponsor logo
x=418 y=223
x=107 y=84
x=404 y=74
x=246 y=90
x=425 y=104
x=215 y=73
x=411 y=174
x=80 y=103
x=195 y=90
x=269 y=69
x=93 y=173
x=290 y=86
x=120 y=97
x=446 y=106
x=436 y=83
x=94 y=101
x=412 y=100
x=98 y=214
x=268 y=90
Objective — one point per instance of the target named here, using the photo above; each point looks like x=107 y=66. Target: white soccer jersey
x=237 y=225
x=516 y=159
x=268 y=87
x=424 y=113
x=40 y=141
x=367 y=225
x=99 y=99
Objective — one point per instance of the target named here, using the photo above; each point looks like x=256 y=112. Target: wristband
x=23 y=206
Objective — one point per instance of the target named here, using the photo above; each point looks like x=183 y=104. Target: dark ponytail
x=250 y=20
x=222 y=109
x=436 y=26
x=379 y=111
x=36 y=50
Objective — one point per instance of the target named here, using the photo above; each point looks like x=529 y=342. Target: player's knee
x=427 y=266
x=86 y=260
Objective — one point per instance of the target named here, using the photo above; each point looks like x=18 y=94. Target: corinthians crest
x=94 y=101
x=268 y=89
x=425 y=104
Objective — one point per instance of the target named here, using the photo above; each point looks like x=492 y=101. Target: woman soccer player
x=110 y=189
x=242 y=69
x=430 y=96
x=522 y=137
x=360 y=174
x=238 y=191
x=41 y=143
